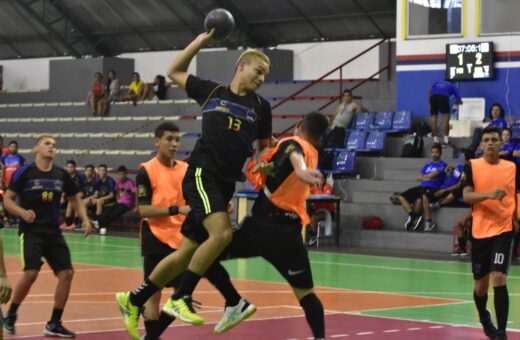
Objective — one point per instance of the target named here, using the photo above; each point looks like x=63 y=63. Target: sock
x=219 y=277
x=56 y=315
x=188 y=284
x=69 y=220
x=164 y=321
x=143 y=293
x=314 y=314
x=446 y=139
x=152 y=329
x=480 y=302
x=501 y=306
x=13 y=309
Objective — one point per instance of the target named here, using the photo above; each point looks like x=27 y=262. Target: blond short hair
x=250 y=53
x=43 y=136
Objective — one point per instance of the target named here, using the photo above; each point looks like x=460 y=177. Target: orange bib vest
x=493 y=217
x=291 y=195
x=166 y=183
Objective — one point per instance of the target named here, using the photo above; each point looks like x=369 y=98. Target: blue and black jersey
x=40 y=192
x=230 y=125
x=105 y=187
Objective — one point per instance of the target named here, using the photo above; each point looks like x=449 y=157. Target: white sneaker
x=234 y=315
x=429 y=226
x=95 y=224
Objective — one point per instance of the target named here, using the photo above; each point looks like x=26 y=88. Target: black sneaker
x=57 y=329
x=9 y=322
x=487 y=325
x=409 y=223
x=417 y=222
x=501 y=335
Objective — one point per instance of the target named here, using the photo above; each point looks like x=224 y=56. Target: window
x=499 y=16
x=434 y=17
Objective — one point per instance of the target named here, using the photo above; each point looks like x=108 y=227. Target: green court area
x=355 y=274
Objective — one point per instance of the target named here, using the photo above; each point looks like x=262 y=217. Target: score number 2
x=478 y=58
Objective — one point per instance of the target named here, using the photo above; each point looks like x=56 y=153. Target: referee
x=39 y=187
x=490 y=186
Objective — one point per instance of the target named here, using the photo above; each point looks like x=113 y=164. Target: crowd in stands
x=101 y=95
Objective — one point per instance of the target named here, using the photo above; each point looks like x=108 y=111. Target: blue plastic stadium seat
x=375 y=142
x=382 y=121
x=364 y=120
x=343 y=162
x=356 y=140
x=402 y=121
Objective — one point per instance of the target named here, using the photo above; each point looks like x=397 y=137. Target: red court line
x=296 y=328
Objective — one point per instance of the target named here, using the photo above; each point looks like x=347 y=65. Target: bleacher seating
x=402 y=121
x=356 y=140
x=343 y=161
x=363 y=120
x=375 y=142
x=382 y=121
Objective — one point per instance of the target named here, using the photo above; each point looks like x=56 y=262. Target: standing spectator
x=495 y=118
x=341 y=120
x=104 y=195
x=112 y=93
x=135 y=91
x=11 y=162
x=125 y=198
x=508 y=147
x=490 y=186
x=71 y=216
x=431 y=177
x=156 y=90
x=440 y=94
x=96 y=94
x=39 y=187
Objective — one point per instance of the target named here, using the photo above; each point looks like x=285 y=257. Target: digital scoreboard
x=469 y=61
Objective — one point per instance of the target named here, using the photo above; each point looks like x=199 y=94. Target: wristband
x=173 y=210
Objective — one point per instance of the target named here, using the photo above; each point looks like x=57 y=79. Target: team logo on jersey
x=141 y=191
x=222 y=106
x=251 y=115
x=463 y=176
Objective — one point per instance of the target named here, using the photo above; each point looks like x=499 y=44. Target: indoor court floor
x=365 y=297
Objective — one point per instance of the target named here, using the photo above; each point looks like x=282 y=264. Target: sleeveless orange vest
x=492 y=217
x=166 y=183
x=291 y=195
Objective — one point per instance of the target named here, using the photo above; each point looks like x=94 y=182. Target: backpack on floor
x=413 y=146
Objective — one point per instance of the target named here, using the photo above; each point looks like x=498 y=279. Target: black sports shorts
x=439 y=103
x=279 y=241
x=205 y=193
x=491 y=254
x=50 y=246
x=412 y=194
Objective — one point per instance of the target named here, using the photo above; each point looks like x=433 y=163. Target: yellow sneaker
x=182 y=309
x=233 y=315
x=130 y=314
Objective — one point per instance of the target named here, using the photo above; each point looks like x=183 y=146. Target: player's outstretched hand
x=206 y=37
x=87 y=227
x=28 y=216
x=264 y=168
x=316 y=178
x=5 y=290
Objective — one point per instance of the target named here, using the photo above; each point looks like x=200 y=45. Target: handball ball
x=222 y=21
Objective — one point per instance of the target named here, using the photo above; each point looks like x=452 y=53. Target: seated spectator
x=89 y=188
x=431 y=177
x=4 y=151
x=104 y=195
x=156 y=90
x=135 y=91
x=71 y=217
x=112 y=93
x=449 y=192
x=508 y=148
x=495 y=118
x=462 y=230
x=341 y=120
x=125 y=198
x=96 y=93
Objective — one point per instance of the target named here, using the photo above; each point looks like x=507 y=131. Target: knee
x=224 y=237
x=30 y=275
x=66 y=275
x=498 y=279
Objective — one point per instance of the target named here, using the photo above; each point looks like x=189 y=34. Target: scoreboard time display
x=469 y=61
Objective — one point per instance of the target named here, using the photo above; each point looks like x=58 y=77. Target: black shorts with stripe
x=51 y=246
x=278 y=240
x=492 y=254
x=205 y=193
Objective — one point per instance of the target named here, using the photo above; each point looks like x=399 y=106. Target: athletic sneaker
x=409 y=223
x=487 y=325
x=234 y=315
x=130 y=314
x=417 y=223
x=9 y=322
x=501 y=335
x=182 y=309
x=435 y=206
x=429 y=226
x=95 y=224
x=459 y=252
x=57 y=329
